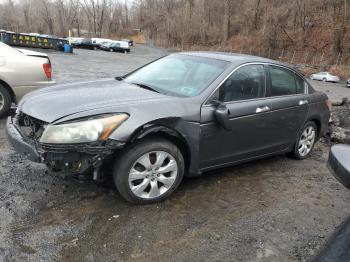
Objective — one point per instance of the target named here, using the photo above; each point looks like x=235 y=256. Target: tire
x=324 y=79
x=297 y=152
x=141 y=188
x=5 y=102
x=111 y=50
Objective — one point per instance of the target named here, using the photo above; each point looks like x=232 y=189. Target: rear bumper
x=333 y=79
x=19 y=144
x=20 y=91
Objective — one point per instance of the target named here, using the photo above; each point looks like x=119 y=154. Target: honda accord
x=183 y=114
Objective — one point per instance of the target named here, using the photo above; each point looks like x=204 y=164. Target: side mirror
x=339 y=163
x=222 y=114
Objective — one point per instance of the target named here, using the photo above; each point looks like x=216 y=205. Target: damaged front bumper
x=77 y=159
x=19 y=144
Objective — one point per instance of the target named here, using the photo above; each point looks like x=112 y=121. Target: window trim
x=267 y=84
x=306 y=90
x=207 y=101
x=281 y=69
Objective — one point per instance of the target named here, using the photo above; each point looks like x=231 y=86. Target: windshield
x=179 y=75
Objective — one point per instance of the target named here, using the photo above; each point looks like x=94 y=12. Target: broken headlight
x=92 y=130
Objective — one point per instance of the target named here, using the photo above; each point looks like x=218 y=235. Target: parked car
x=76 y=42
x=117 y=46
x=130 y=42
x=86 y=44
x=98 y=42
x=325 y=77
x=184 y=114
x=21 y=71
x=105 y=46
x=348 y=83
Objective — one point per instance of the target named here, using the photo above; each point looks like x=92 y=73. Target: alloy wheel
x=307 y=141
x=153 y=174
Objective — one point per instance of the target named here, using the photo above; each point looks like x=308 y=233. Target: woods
x=264 y=27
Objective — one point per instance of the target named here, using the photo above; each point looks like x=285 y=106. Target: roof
x=232 y=57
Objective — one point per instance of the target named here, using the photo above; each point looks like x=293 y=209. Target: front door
x=243 y=93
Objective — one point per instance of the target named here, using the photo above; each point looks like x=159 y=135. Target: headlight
x=82 y=132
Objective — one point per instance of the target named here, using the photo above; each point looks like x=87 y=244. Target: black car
x=183 y=114
x=86 y=43
x=117 y=46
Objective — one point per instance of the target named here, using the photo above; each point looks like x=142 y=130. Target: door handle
x=303 y=102
x=262 y=109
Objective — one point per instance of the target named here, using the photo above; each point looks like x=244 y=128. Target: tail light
x=329 y=104
x=47 y=70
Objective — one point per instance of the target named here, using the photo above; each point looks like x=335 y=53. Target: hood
x=32 y=53
x=52 y=103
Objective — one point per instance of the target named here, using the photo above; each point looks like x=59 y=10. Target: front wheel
x=305 y=142
x=324 y=79
x=149 y=171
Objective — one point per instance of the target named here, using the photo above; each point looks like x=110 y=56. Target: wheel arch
x=318 y=124
x=9 y=89
x=166 y=132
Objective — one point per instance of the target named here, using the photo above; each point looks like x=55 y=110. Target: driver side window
x=246 y=83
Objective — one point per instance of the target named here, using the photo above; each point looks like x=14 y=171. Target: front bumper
x=19 y=144
x=69 y=159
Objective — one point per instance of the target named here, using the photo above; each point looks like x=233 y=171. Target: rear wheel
x=111 y=50
x=305 y=142
x=5 y=101
x=149 y=171
x=324 y=79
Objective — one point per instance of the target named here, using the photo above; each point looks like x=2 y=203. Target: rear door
x=289 y=104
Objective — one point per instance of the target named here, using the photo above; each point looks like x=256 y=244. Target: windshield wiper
x=146 y=87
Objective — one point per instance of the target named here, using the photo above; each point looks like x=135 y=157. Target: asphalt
x=276 y=209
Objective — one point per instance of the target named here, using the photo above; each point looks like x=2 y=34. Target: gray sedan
x=183 y=114
x=21 y=71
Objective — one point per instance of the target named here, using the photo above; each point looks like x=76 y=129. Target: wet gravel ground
x=276 y=209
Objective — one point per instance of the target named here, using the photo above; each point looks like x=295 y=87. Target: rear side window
x=300 y=84
x=282 y=82
x=246 y=83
